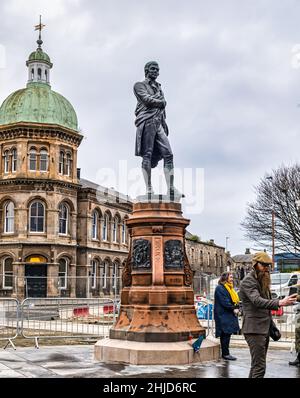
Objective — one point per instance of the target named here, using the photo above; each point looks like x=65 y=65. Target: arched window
x=32 y=159
x=115 y=275
x=39 y=74
x=104 y=275
x=14 y=160
x=123 y=232
x=9 y=212
x=63 y=273
x=6 y=162
x=32 y=74
x=63 y=219
x=8 y=273
x=94 y=274
x=115 y=230
x=46 y=75
x=95 y=225
x=44 y=160
x=37 y=217
x=61 y=162
x=105 y=227
x=68 y=164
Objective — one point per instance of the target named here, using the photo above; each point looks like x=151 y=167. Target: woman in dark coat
x=226 y=310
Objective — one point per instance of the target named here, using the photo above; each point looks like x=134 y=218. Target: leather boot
x=147 y=178
x=172 y=192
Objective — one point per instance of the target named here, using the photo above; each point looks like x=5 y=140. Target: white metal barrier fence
x=62 y=318
x=56 y=318
x=9 y=320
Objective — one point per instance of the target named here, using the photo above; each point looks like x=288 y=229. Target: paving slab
x=78 y=362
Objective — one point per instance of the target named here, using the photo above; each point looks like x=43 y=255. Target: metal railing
x=56 y=318
x=62 y=318
x=9 y=320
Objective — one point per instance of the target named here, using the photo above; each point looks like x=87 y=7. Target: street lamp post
x=227 y=237
x=273 y=225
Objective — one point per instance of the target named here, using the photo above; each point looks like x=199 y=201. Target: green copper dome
x=38 y=104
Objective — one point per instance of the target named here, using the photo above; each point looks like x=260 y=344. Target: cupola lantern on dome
x=39 y=63
x=38 y=103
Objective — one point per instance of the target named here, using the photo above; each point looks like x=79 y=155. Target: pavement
x=75 y=361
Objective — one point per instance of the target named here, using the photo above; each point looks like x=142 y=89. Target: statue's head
x=152 y=70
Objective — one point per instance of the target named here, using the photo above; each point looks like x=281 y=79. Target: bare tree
x=281 y=191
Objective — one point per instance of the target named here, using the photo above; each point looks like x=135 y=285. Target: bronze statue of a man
x=152 y=141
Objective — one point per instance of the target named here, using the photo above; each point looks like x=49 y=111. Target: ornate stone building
x=55 y=229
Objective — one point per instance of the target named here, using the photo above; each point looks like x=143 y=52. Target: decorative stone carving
x=126 y=273
x=188 y=273
x=141 y=257
x=174 y=254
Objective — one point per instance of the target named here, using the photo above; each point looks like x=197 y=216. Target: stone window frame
x=42 y=151
x=115 y=273
x=14 y=159
x=6 y=160
x=64 y=273
x=105 y=273
x=6 y=204
x=115 y=230
x=68 y=163
x=67 y=219
x=98 y=213
x=44 y=217
x=65 y=162
x=105 y=226
x=61 y=162
x=32 y=151
x=95 y=265
x=10 y=273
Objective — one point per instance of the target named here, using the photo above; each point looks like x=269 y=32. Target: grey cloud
x=225 y=68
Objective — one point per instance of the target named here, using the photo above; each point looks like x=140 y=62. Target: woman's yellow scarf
x=233 y=294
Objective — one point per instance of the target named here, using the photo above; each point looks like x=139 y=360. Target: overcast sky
x=229 y=71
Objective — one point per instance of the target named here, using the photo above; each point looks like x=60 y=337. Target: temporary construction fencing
x=56 y=318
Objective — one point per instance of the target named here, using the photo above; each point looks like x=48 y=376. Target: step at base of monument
x=138 y=353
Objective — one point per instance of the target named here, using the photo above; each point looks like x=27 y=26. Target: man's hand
x=236 y=311
x=288 y=300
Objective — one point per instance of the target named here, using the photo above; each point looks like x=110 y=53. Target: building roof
x=190 y=236
x=242 y=258
x=39 y=55
x=104 y=192
x=38 y=104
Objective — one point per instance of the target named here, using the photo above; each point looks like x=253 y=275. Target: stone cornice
x=39 y=131
x=47 y=185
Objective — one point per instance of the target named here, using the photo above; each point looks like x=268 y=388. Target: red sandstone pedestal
x=157 y=299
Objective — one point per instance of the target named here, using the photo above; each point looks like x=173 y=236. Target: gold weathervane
x=40 y=27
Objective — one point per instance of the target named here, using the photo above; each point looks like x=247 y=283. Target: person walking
x=242 y=274
x=296 y=362
x=226 y=310
x=257 y=305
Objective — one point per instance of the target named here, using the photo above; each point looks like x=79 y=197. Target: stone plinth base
x=136 y=353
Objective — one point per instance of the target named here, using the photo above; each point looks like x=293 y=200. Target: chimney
x=212 y=241
x=247 y=251
x=78 y=173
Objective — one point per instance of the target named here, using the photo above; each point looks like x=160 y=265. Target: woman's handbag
x=274 y=332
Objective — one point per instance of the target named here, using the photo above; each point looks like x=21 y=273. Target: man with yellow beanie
x=257 y=305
